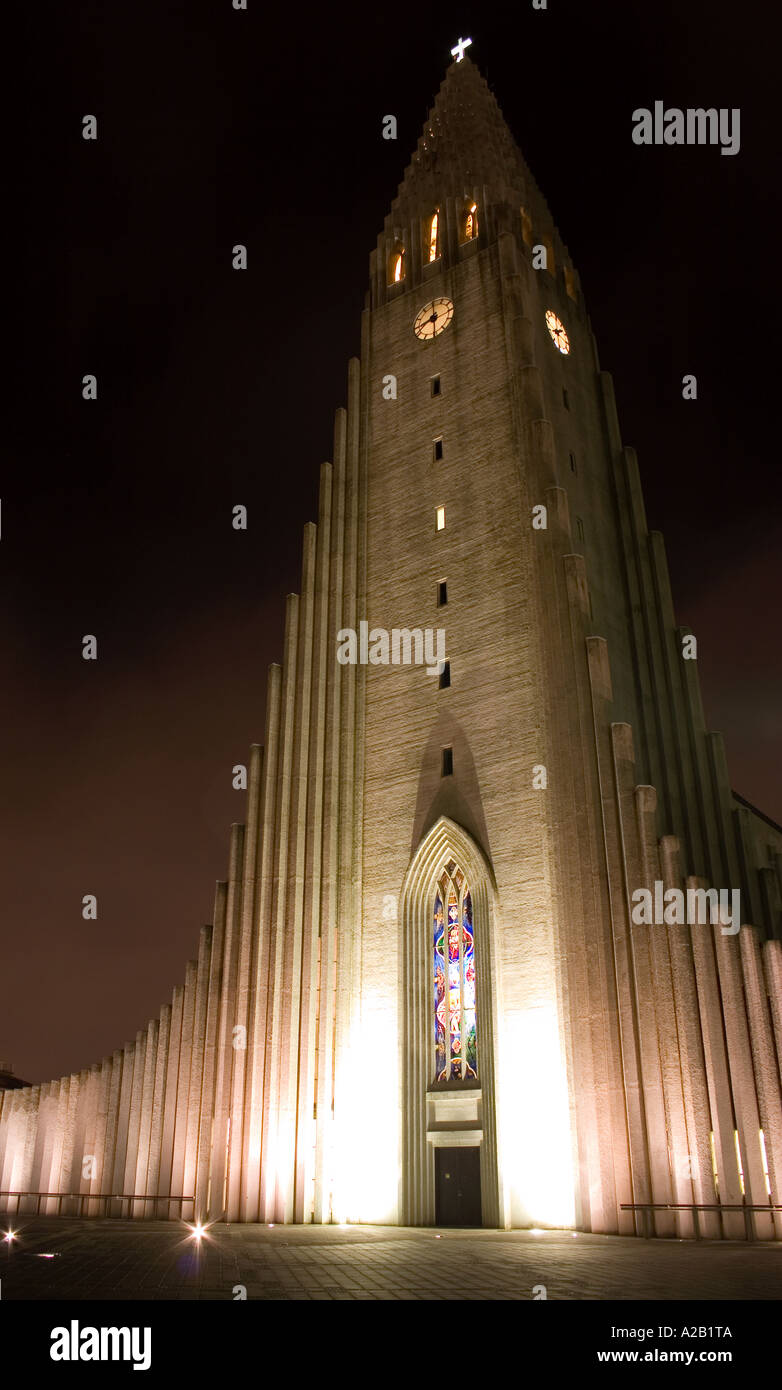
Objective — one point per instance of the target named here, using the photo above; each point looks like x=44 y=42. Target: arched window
x=469 y=220
x=434 y=237
x=396 y=264
x=455 y=1039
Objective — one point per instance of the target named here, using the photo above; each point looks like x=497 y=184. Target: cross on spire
x=458 y=51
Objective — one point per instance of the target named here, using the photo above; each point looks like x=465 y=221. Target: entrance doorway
x=458 y=1186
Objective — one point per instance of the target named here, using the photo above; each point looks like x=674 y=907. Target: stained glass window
x=455 y=1039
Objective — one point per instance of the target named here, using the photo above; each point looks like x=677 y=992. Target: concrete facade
x=291 y=1079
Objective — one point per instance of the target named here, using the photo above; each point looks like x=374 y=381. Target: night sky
x=218 y=387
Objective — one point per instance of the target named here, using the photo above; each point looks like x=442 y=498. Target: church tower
x=439 y=986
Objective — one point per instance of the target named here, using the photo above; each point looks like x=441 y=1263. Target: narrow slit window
x=469 y=227
x=440 y=518
x=447 y=763
x=396 y=264
x=570 y=282
x=573 y=467
x=442 y=593
x=579 y=528
x=565 y=398
x=433 y=237
x=526 y=227
x=435 y=385
x=445 y=675
x=438 y=449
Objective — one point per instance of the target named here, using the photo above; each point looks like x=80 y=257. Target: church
x=429 y=994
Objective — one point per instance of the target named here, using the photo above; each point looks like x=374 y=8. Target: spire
x=466 y=165
x=465 y=143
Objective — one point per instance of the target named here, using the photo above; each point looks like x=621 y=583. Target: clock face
x=556 y=328
x=433 y=318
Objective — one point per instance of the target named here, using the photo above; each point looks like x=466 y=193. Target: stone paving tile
x=127 y=1260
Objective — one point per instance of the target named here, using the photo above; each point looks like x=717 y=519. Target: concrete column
x=628 y=1112
x=170 y=1102
x=10 y=1114
x=145 y=1125
x=717 y=1076
x=79 y=1136
x=152 y=1183
x=35 y=1140
x=99 y=1140
x=6 y=1137
x=713 y=866
x=194 y=1109
x=770 y=898
x=25 y=1173
x=240 y=1135
x=259 y=986
x=640 y=981
x=692 y=1068
x=221 y=1135
x=69 y=1207
x=691 y=809
x=772 y=961
x=605 y=1178
x=278 y=1016
x=723 y=798
x=204 y=1174
x=134 y=1118
x=571 y=892
x=323 y=656
x=657 y=733
x=764 y=1058
x=47 y=1125
x=60 y=1132
x=679 y=1157
x=183 y=1091
x=619 y=1043
x=90 y=1132
x=347 y=981
x=294 y=958
x=112 y=1121
x=751 y=906
x=123 y=1122
x=742 y=1076
x=324 y=1085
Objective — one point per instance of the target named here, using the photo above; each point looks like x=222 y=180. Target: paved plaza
x=74 y=1259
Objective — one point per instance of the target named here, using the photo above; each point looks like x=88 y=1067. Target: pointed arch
x=446 y=843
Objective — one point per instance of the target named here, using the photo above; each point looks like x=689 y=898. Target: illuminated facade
x=423 y=995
